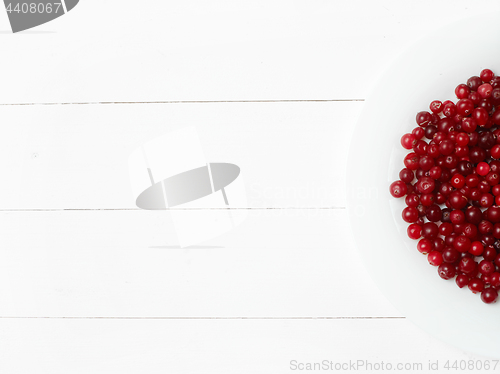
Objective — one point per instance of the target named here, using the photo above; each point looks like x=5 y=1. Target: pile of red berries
x=451 y=185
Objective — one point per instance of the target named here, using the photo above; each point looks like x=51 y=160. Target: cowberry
x=451 y=185
x=489 y=295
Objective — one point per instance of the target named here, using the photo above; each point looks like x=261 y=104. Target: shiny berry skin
x=457 y=216
x=420 y=147
x=449 y=109
x=486 y=75
x=430 y=230
x=436 y=106
x=484 y=90
x=492 y=178
x=445 y=228
x=465 y=107
x=495 y=280
x=469 y=125
x=489 y=253
x=467 y=265
x=446 y=147
x=473 y=215
x=495 y=151
x=469 y=230
x=426 y=163
x=483 y=168
x=486 y=200
x=418 y=132
x=448 y=239
x=486 y=267
x=462 y=280
x=433 y=213
x=495 y=82
x=425 y=246
x=474 y=83
x=485 y=227
x=414 y=231
x=458 y=181
x=450 y=255
x=462 y=139
x=423 y=118
x=435 y=258
x=425 y=185
x=472 y=180
x=411 y=161
x=476 y=285
x=476 y=248
x=408 y=141
x=457 y=200
x=412 y=200
x=481 y=116
x=462 y=243
x=406 y=175
x=398 y=189
x=486 y=140
x=489 y=296
x=435 y=172
x=446 y=271
x=492 y=214
x=475 y=98
x=462 y=91
x=427 y=199
x=410 y=214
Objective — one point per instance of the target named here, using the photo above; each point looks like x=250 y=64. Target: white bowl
x=428 y=70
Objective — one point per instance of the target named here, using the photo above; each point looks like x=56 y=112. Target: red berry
x=423 y=118
x=495 y=280
x=465 y=107
x=425 y=246
x=411 y=161
x=446 y=271
x=476 y=248
x=462 y=280
x=410 y=214
x=476 y=285
x=483 y=168
x=435 y=258
x=489 y=296
x=436 y=106
x=486 y=267
x=414 y=231
x=451 y=184
x=474 y=83
x=462 y=91
x=484 y=90
x=398 y=189
x=486 y=75
x=495 y=151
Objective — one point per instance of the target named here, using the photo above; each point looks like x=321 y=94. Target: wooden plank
x=127 y=263
x=76 y=156
x=219 y=346
x=266 y=50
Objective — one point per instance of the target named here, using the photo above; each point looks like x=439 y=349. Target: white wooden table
x=91 y=284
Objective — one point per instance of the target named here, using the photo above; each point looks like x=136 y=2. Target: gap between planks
x=137 y=209
x=204 y=318
x=187 y=102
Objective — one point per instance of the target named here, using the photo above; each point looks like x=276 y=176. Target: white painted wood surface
x=91 y=285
